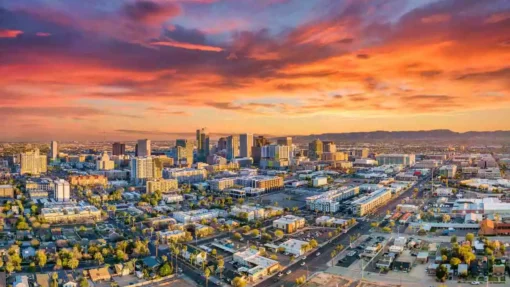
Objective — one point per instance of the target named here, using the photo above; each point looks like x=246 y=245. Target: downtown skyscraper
x=245 y=145
x=203 y=145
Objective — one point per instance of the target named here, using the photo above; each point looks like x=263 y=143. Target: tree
x=454 y=262
x=237 y=236
x=255 y=233
x=238 y=282
x=313 y=243
x=54 y=278
x=330 y=234
x=99 y=258
x=84 y=282
x=165 y=270
x=446 y=218
x=470 y=237
x=333 y=254
x=41 y=258
x=207 y=274
x=73 y=263
x=386 y=229
x=442 y=273
x=221 y=265
x=278 y=233
x=453 y=239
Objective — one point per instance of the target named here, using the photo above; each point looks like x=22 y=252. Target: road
x=319 y=263
x=314 y=263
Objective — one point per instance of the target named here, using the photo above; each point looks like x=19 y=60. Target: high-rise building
x=232 y=147
x=104 y=163
x=222 y=143
x=62 y=190
x=118 y=148
x=315 y=149
x=33 y=162
x=275 y=152
x=143 y=147
x=256 y=150
x=54 y=150
x=144 y=168
x=284 y=141
x=245 y=145
x=403 y=159
x=203 y=145
x=183 y=152
x=329 y=146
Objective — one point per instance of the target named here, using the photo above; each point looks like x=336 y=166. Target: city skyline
x=158 y=69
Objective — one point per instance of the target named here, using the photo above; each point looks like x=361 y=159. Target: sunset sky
x=124 y=69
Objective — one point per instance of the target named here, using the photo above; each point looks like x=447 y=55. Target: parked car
x=318 y=254
x=475 y=283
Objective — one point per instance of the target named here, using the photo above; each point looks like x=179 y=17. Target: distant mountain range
x=408 y=136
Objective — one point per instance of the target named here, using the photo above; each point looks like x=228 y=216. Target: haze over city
x=72 y=70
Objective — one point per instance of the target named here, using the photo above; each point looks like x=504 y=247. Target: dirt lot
x=328 y=280
x=372 y=284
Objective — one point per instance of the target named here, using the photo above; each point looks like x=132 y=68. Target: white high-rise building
x=143 y=147
x=62 y=190
x=33 y=162
x=105 y=163
x=54 y=150
x=144 y=168
x=245 y=145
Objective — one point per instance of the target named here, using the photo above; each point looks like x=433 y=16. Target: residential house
x=150 y=262
x=42 y=279
x=99 y=274
x=28 y=252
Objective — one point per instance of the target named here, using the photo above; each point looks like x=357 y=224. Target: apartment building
x=173 y=198
x=329 y=201
x=264 y=182
x=104 y=163
x=334 y=156
x=88 y=180
x=185 y=175
x=221 y=184
x=365 y=205
x=448 y=171
x=62 y=190
x=403 y=159
x=163 y=185
x=32 y=162
x=195 y=215
x=289 y=223
x=6 y=191
x=145 y=168
x=72 y=213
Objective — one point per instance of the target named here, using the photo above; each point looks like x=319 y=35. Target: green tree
x=237 y=236
x=453 y=239
x=84 y=282
x=442 y=273
x=54 y=279
x=220 y=266
x=41 y=258
x=454 y=262
x=99 y=258
x=278 y=233
x=73 y=263
x=207 y=274
x=165 y=270
x=470 y=237
x=238 y=282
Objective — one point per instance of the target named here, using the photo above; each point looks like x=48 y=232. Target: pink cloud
x=188 y=46
x=42 y=34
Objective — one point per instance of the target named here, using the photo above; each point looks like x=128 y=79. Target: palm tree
x=221 y=265
x=207 y=273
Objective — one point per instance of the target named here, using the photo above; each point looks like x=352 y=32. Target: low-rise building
x=88 y=180
x=320 y=181
x=185 y=175
x=448 y=171
x=265 y=182
x=6 y=191
x=295 y=247
x=252 y=212
x=195 y=215
x=255 y=265
x=368 y=203
x=329 y=201
x=163 y=185
x=171 y=235
x=289 y=223
x=221 y=184
x=72 y=213
x=173 y=198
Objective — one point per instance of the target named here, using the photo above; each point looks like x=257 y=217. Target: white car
x=288 y=272
x=280 y=275
x=303 y=264
x=475 y=283
x=318 y=254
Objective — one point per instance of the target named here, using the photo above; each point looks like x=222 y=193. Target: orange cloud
x=6 y=33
